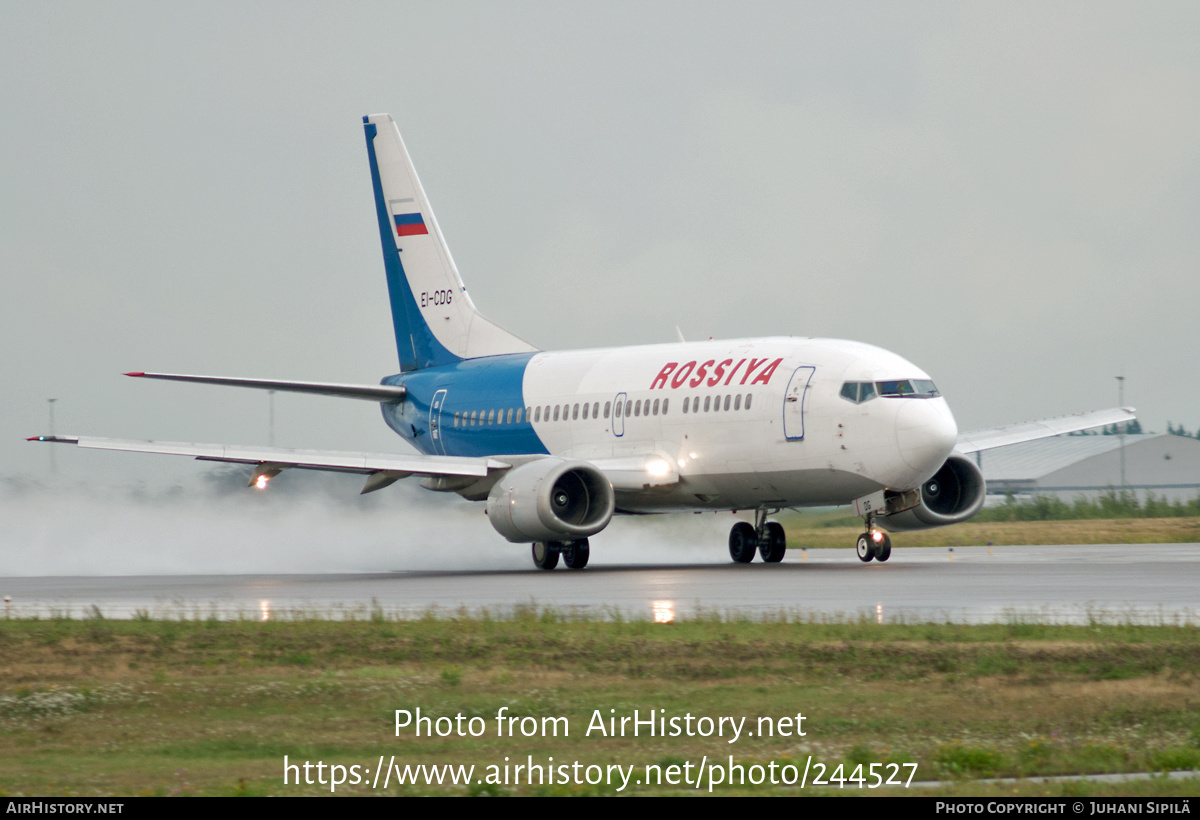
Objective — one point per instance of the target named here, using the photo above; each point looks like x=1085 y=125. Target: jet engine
x=953 y=495
x=551 y=499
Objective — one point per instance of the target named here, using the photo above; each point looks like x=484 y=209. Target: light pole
x=1121 y=429
x=53 y=465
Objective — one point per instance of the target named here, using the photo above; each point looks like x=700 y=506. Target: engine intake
x=551 y=499
x=954 y=494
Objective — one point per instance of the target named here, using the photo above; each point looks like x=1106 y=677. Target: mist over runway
x=1146 y=583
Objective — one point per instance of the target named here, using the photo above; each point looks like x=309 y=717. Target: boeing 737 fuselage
x=556 y=443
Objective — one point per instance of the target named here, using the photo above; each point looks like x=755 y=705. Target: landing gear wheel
x=883 y=550
x=742 y=542
x=575 y=554
x=545 y=556
x=864 y=548
x=774 y=543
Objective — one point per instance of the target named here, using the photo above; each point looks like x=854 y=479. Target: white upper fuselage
x=783 y=434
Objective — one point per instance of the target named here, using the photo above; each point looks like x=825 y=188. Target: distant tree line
x=1181 y=431
x=1132 y=428
x=1109 y=504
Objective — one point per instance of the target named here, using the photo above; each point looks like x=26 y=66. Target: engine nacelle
x=953 y=495
x=551 y=499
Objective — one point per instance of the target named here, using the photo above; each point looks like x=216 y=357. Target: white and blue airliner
x=556 y=443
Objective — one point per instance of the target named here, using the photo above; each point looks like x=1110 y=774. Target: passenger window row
x=556 y=412
x=641 y=407
x=484 y=418
x=713 y=404
x=569 y=412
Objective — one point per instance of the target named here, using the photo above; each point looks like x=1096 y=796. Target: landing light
x=658 y=468
x=876 y=536
x=261 y=482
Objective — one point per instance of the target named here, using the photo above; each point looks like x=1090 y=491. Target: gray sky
x=1008 y=194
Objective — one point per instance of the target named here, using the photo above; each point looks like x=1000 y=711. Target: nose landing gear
x=765 y=537
x=874 y=544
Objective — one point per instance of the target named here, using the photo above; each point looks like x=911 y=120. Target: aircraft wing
x=368 y=392
x=381 y=467
x=992 y=437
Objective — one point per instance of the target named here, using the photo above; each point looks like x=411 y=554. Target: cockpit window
x=908 y=389
x=858 y=392
x=893 y=389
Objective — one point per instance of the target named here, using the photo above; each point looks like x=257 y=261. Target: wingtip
x=134 y=373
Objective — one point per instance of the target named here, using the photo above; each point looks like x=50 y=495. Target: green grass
x=208 y=707
x=1109 y=505
x=835 y=530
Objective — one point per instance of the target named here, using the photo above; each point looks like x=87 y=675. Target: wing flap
x=992 y=437
x=365 y=463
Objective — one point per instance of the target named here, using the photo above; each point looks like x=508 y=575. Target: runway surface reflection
x=1060 y=584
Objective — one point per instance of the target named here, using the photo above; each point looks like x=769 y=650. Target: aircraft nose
x=925 y=434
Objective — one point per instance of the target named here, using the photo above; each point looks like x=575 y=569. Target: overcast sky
x=1007 y=194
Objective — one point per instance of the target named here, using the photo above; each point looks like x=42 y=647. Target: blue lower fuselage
x=434 y=417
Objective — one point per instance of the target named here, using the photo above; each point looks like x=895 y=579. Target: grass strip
x=211 y=707
x=806 y=532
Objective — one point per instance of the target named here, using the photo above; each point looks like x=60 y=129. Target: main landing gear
x=874 y=544
x=575 y=554
x=765 y=537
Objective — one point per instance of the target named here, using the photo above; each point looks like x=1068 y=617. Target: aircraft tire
x=864 y=548
x=883 y=550
x=742 y=543
x=576 y=553
x=545 y=556
x=774 y=546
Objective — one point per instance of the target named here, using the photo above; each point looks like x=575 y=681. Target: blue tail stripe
x=415 y=343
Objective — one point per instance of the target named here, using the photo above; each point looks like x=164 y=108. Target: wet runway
x=1059 y=584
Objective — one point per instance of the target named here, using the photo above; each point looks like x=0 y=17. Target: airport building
x=1072 y=466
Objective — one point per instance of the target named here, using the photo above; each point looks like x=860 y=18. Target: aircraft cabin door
x=435 y=422
x=618 y=415
x=793 y=403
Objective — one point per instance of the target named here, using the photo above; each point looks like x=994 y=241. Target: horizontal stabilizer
x=367 y=392
x=992 y=437
x=364 y=463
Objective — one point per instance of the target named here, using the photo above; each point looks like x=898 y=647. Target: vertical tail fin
x=435 y=321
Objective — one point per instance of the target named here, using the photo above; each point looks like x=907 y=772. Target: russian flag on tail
x=410 y=224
